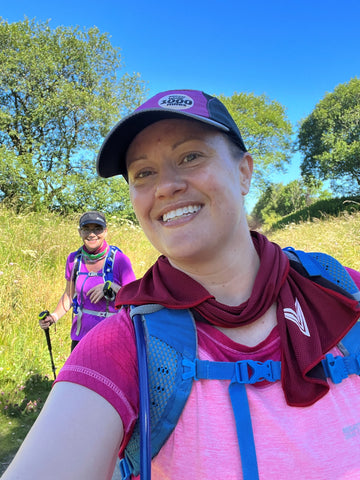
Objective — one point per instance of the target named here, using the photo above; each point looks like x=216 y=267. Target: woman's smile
x=180 y=213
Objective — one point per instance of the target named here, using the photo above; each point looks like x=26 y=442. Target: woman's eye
x=142 y=174
x=190 y=157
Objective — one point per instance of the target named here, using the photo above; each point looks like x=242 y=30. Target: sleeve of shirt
x=355 y=275
x=123 y=269
x=105 y=362
x=69 y=266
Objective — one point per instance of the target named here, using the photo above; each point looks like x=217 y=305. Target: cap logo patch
x=176 y=102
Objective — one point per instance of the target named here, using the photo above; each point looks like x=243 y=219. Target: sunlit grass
x=336 y=236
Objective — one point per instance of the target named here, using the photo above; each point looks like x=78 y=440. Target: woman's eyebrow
x=143 y=156
x=187 y=139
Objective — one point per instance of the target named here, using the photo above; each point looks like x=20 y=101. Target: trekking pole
x=43 y=315
x=109 y=293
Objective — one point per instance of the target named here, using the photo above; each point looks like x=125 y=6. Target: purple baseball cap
x=171 y=104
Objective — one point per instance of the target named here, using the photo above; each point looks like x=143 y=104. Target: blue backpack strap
x=109 y=263
x=329 y=272
x=144 y=399
x=322 y=266
x=75 y=270
x=166 y=349
x=239 y=373
x=350 y=344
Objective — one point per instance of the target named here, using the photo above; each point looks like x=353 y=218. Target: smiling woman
x=235 y=335
x=87 y=271
x=177 y=170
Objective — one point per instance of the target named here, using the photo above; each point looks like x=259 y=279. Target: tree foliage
x=266 y=132
x=329 y=139
x=60 y=93
x=279 y=200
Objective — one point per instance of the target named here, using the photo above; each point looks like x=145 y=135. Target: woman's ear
x=246 y=166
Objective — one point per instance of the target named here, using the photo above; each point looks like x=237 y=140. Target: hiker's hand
x=46 y=322
x=96 y=293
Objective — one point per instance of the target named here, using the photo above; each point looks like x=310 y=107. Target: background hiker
x=188 y=172
x=86 y=272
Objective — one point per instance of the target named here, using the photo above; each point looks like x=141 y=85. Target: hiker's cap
x=92 y=217
x=171 y=104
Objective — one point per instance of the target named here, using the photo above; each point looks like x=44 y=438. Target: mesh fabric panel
x=162 y=365
x=335 y=270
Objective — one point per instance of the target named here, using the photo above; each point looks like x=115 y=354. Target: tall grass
x=337 y=236
x=33 y=251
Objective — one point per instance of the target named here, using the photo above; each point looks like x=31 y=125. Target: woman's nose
x=169 y=182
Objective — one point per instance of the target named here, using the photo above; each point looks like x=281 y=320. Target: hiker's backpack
x=168 y=364
x=106 y=273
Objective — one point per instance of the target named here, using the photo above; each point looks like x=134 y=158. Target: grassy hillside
x=33 y=252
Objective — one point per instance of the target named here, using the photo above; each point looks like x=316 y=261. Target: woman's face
x=93 y=236
x=187 y=189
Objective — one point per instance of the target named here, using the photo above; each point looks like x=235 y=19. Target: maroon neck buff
x=311 y=318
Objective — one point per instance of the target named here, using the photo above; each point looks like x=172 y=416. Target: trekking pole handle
x=43 y=314
x=109 y=293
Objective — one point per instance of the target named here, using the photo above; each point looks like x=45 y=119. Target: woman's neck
x=230 y=280
x=94 y=256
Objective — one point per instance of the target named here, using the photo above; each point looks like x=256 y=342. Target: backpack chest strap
x=243 y=371
x=250 y=372
x=239 y=373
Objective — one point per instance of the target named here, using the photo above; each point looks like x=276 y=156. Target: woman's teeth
x=179 y=212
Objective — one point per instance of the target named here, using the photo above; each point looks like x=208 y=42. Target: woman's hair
x=236 y=151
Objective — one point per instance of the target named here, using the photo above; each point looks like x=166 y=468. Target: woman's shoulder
x=105 y=362
x=109 y=345
x=355 y=275
x=118 y=253
x=71 y=257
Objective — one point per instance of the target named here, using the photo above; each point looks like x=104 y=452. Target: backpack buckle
x=125 y=470
x=250 y=371
x=339 y=368
x=189 y=369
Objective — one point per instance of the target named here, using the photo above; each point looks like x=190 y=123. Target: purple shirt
x=123 y=274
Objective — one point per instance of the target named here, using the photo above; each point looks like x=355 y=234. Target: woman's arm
x=76 y=436
x=62 y=307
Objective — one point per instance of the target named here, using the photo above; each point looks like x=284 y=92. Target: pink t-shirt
x=123 y=274
x=313 y=443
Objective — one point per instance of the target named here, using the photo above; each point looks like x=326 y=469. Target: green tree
x=266 y=132
x=60 y=92
x=329 y=139
x=279 y=200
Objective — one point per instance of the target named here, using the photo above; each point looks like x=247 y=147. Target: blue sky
x=294 y=51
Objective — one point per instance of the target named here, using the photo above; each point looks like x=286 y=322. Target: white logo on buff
x=176 y=102
x=297 y=317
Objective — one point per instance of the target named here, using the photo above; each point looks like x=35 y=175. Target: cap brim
x=87 y=222
x=111 y=158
